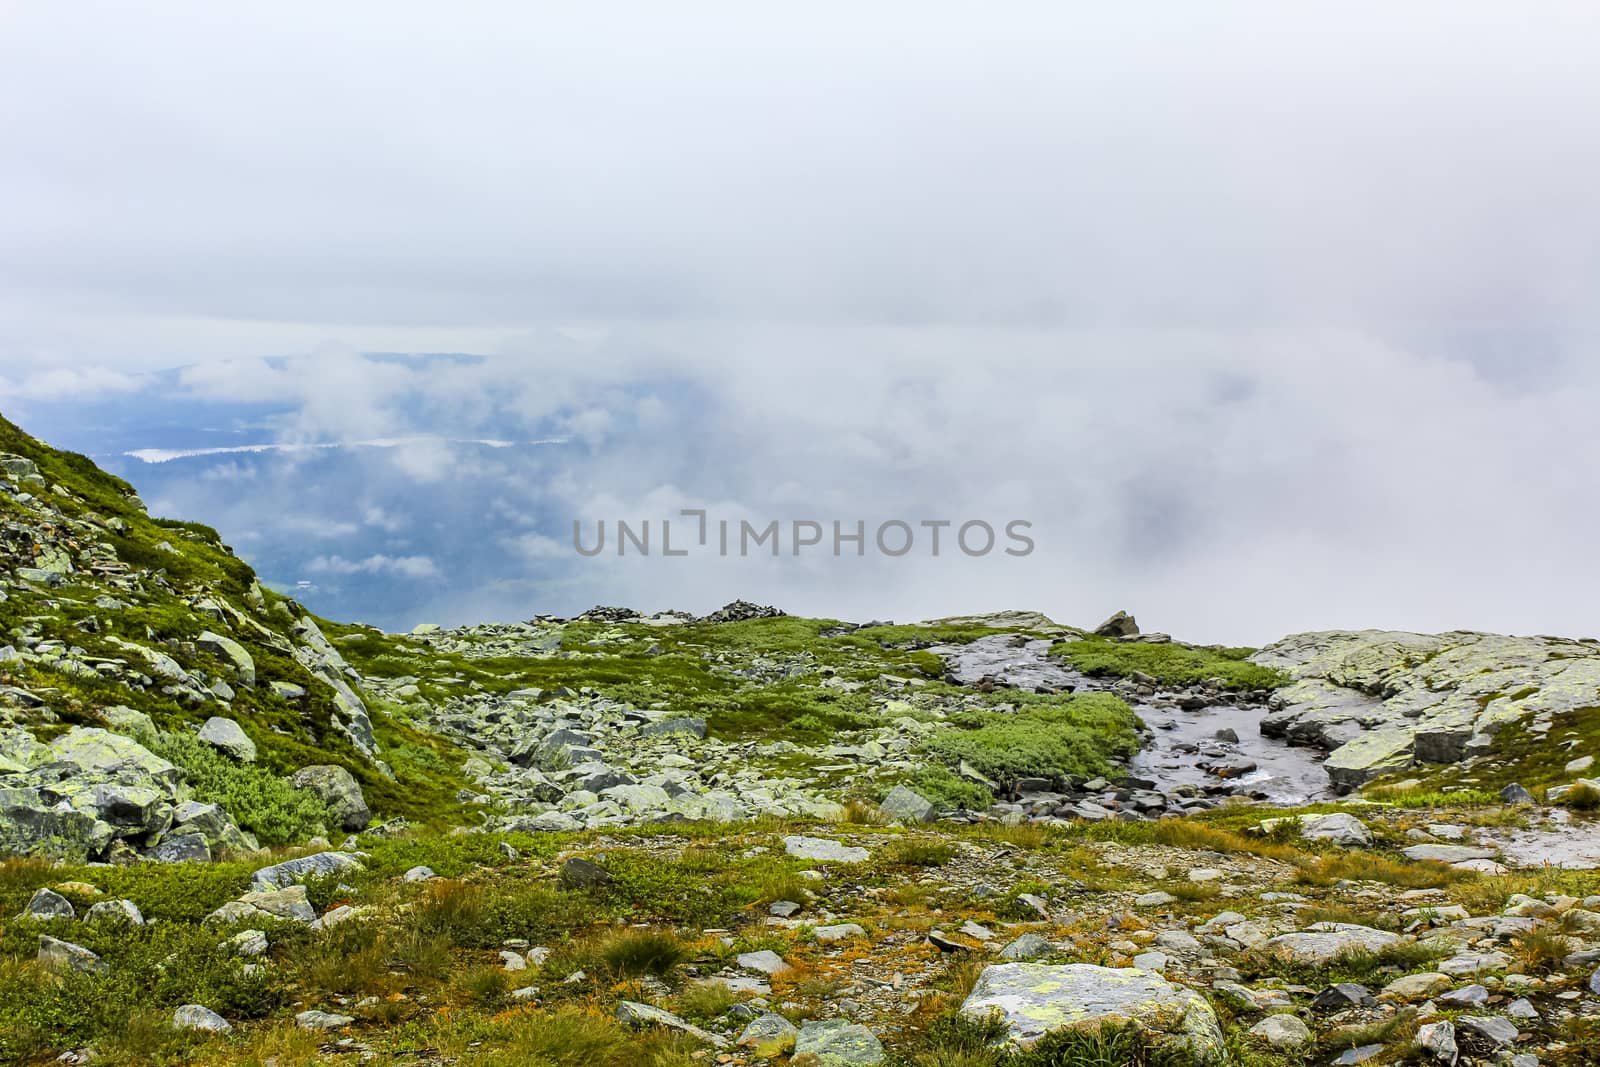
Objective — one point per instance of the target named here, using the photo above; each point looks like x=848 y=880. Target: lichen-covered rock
x=1379 y=700
x=62 y=957
x=229 y=738
x=769 y=1036
x=291 y=872
x=201 y=1018
x=907 y=805
x=213 y=823
x=1035 y=999
x=93 y=750
x=1321 y=942
x=233 y=654
x=641 y=1016
x=821 y=850
x=84 y=791
x=47 y=904
x=182 y=848
x=339 y=790
x=291 y=905
x=838 y=1043
x=123 y=912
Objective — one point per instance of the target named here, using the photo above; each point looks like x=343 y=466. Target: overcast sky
x=1269 y=316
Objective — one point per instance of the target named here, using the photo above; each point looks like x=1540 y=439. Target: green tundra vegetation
x=457 y=937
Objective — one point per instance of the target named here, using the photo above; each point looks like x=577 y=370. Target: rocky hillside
x=623 y=838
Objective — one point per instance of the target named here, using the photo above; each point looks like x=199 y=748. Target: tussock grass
x=918 y=852
x=632 y=953
x=954 y=1040
x=1355 y=965
x=1185 y=833
x=1370 y=867
x=1581 y=798
x=1333 y=913
x=706 y=1000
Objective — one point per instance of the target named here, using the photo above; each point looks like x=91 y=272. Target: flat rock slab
x=643 y=1016
x=1448 y=853
x=838 y=1043
x=291 y=872
x=823 y=850
x=1035 y=999
x=765 y=962
x=1321 y=942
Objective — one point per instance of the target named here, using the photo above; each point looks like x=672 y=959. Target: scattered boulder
x=765 y=962
x=769 y=1036
x=62 y=957
x=1027 y=947
x=115 y=911
x=291 y=872
x=46 y=904
x=1119 y=625
x=821 y=850
x=642 y=1016
x=198 y=1017
x=1501 y=1032
x=579 y=873
x=339 y=790
x=838 y=1043
x=291 y=905
x=1282 y=1032
x=1321 y=942
x=1340 y=828
x=232 y=654
x=229 y=738
x=1034 y=999
x=907 y=805
x=322 y=1021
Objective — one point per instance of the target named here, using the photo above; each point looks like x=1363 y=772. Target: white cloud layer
x=400 y=566
x=1268 y=316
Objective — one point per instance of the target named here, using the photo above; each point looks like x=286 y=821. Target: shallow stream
x=1179 y=741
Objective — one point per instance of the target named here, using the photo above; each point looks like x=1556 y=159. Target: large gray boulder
x=18 y=468
x=229 y=738
x=1321 y=942
x=291 y=905
x=907 y=805
x=339 y=790
x=1379 y=701
x=1035 y=999
x=93 y=750
x=62 y=957
x=296 y=871
x=822 y=850
x=1339 y=827
x=231 y=653
x=72 y=799
x=838 y=1043
x=201 y=1018
x=1119 y=625
x=214 y=824
x=47 y=904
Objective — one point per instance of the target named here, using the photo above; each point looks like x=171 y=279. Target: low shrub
x=259 y=801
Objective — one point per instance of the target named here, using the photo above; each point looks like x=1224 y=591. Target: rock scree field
x=235 y=833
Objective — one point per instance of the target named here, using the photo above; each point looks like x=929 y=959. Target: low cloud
x=416 y=567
